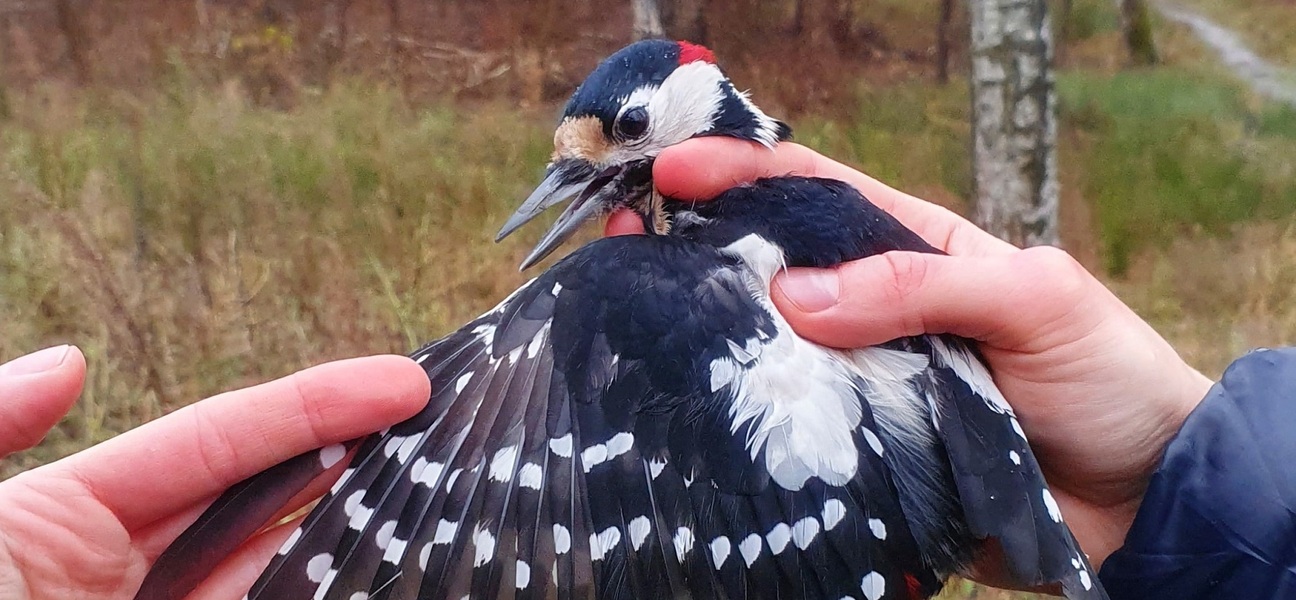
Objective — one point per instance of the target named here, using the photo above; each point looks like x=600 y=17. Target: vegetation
x=192 y=239
x=214 y=243
x=1269 y=26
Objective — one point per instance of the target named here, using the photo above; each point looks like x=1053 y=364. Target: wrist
x=1186 y=391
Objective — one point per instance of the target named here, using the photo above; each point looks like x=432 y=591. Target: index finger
x=703 y=168
x=198 y=451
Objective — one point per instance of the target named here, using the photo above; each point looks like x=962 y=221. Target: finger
x=623 y=222
x=702 y=168
x=206 y=447
x=236 y=574
x=36 y=390
x=898 y=294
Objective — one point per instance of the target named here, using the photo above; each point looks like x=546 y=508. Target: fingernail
x=810 y=290
x=36 y=362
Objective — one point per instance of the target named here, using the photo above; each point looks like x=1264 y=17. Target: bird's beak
x=595 y=192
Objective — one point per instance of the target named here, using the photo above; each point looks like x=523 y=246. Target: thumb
x=1003 y=300
x=36 y=390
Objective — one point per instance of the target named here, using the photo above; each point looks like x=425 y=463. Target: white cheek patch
x=680 y=108
x=686 y=103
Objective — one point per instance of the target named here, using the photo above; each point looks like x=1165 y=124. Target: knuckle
x=909 y=274
x=316 y=421
x=217 y=452
x=1064 y=275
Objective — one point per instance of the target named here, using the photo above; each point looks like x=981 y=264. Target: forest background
x=211 y=193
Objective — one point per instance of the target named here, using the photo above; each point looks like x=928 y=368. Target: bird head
x=641 y=100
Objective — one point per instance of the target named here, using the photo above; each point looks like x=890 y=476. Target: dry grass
x=1269 y=26
x=213 y=244
x=1217 y=297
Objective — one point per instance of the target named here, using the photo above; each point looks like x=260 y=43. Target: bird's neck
x=652 y=210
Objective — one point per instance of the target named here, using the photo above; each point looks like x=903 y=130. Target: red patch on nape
x=914 y=587
x=690 y=52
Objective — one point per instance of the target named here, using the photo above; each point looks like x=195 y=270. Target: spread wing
x=605 y=433
x=638 y=422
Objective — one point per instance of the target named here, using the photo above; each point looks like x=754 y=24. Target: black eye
x=632 y=123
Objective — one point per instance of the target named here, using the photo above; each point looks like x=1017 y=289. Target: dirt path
x=1267 y=79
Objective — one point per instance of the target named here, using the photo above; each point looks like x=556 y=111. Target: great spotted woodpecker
x=640 y=422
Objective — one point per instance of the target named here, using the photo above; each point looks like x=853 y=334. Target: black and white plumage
x=639 y=422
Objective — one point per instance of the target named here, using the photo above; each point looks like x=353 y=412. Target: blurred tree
x=943 y=40
x=1064 y=31
x=76 y=37
x=686 y=19
x=6 y=111
x=1014 y=121
x=1136 y=25
x=841 y=26
x=331 y=41
x=647 y=19
x=396 y=39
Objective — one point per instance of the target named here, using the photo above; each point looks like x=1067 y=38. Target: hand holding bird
x=1097 y=390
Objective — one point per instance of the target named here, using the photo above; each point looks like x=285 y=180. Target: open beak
x=595 y=192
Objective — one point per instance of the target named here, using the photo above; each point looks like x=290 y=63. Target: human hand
x=90 y=525
x=1097 y=390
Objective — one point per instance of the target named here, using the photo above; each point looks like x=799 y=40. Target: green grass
x=911 y=135
x=1154 y=154
x=1169 y=151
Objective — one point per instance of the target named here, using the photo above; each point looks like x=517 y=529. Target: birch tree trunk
x=647 y=19
x=1014 y=121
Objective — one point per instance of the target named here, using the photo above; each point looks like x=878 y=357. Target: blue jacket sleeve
x=1219 y=517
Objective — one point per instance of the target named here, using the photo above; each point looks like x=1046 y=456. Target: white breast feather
x=801 y=398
